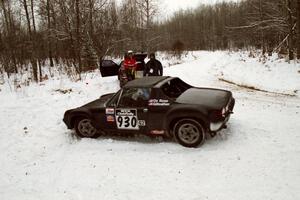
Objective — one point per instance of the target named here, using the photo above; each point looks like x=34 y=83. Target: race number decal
x=127 y=119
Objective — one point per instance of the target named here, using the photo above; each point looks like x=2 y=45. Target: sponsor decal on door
x=110 y=118
x=110 y=111
x=158 y=102
x=157 y=132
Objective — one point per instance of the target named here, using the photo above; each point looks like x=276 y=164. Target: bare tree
x=10 y=35
x=298 y=29
x=49 y=34
x=78 y=37
x=262 y=36
x=32 y=56
x=35 y=39
x=70 y=31
x=148 y=10
x=91 y=17
x=291 y=30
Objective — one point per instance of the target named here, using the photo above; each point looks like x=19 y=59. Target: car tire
x=85 y=129
x=189 y=133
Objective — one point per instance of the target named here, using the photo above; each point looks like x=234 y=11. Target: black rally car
x=164 y=106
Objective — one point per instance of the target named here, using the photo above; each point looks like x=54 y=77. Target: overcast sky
x=168 y=7
x=174 y=5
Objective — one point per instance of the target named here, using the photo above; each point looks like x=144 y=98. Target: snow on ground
x=269 y=74
x=257 y=157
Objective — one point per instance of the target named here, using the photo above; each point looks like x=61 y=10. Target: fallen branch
x=284 y=40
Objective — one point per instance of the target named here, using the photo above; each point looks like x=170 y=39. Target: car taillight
x=224 y=111
x=218 y=113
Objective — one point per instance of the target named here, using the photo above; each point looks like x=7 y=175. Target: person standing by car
x=130 y=66
x=153 y=67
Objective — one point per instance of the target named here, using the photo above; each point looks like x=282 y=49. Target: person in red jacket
x=130 y=66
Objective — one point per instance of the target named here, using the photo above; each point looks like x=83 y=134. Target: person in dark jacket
x=153 y=67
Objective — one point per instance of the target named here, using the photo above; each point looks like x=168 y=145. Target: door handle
x=145 y=110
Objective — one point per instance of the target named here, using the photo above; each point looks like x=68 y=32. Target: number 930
x=127 y=122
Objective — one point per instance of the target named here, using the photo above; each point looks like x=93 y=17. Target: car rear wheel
x=189 y=133
x=84 y=128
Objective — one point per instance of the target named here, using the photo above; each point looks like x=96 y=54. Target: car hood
x=98 y=103
x=208 y=97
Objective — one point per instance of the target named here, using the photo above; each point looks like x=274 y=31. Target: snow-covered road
x=257 y=157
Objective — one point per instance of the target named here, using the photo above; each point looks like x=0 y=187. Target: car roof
x=149 y=81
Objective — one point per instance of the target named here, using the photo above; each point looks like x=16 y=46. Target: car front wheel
x=189 y=133
x=84 y=128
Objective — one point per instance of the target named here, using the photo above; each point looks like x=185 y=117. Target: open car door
x=109 y=68
x=140 y=57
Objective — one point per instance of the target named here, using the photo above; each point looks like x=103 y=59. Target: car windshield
x=135 y=97
x=174 y=88
x=107 y=62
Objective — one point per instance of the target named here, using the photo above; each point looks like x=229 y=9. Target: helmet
x=130 y=52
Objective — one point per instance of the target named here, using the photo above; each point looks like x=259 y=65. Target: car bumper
x=66 y=120
x=220 y=124
x=217 y=126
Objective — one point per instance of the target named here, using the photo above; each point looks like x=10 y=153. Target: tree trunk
x=148 y=14
x=147 y=24
x=32 y=58
x=49 y=34
x=262 y=35
x=298 y=29
x=33 y=18
x=52 y=12
x=78 y=35
x=91 y=7
x=5 y=15
x=290 y=24
x=68 y=29
x=34 y=41
x=10 y=32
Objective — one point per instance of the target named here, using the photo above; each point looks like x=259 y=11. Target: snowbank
x=272 y=75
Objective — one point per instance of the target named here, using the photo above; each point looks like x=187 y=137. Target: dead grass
x=64 y=91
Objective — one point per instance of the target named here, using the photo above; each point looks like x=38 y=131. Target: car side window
x=114 y=100
x=135 y=97
x=170 y=90
x=174 y=88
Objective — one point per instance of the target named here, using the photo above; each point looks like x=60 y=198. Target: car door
x=131 y=113
x=109 y=68
x=110 y=121
x=140 y=57
x=158 y=107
